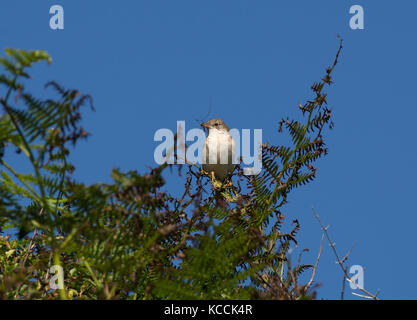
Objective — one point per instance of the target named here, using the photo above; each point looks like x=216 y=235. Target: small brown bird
x=219 y=150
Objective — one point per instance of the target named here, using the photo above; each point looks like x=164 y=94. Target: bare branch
x=339 y=262
x=316 y=264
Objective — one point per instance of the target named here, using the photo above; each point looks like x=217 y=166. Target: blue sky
x=148 y=64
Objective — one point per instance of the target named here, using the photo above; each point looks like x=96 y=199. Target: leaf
x=10 y=252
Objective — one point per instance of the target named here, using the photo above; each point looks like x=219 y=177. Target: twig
x=348 y=253
x=363 y=296
x=316 y=264
x=31 y=245
x=342 y=292
x=340 y=263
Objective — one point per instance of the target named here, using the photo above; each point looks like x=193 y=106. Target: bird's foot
x=217 y=185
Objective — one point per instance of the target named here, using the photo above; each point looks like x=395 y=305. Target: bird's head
x=215 y=124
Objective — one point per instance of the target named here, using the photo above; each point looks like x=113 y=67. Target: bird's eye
x=216 y=124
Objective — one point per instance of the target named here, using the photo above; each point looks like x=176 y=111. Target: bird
x=219 y=150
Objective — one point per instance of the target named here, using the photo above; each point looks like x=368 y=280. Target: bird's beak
x=205 y=125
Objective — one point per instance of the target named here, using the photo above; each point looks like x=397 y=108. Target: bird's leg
x=212 y=177
x=215 y=183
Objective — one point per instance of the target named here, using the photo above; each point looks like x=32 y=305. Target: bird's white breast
x=218 y=153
